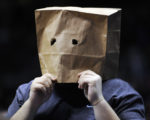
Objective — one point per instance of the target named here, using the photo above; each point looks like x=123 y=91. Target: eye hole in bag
x=74 y=42
x=53 y=41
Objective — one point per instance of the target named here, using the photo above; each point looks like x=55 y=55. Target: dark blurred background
x=18 y=52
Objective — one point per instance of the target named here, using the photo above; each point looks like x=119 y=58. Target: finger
x=83 y=85
x=47 y=86
x=83 y=82
x=41 y=88
x=83 y=72
x=46 y=79
x=86 y=72
x=46 y=82
x=86 y=76
x=51 y=77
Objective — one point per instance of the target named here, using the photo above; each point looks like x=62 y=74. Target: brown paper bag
x=73 y=39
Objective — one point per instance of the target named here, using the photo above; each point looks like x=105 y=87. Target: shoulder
x=118 y=87
x=22 y=94
x=25 y=86
x=116 y=82
x=124 y=99
x=22 y=91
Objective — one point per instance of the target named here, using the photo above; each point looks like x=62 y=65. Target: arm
x=103 y=111
x=26 y=112
x=92 y=85
x=40 y=92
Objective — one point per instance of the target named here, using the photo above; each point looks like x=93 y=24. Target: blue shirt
x=67 y=102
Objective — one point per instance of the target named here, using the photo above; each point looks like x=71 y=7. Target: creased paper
x=73 y=39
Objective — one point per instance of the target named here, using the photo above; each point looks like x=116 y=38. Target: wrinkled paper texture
x=71 y=40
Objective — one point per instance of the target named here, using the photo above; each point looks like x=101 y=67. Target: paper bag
x=73 y=39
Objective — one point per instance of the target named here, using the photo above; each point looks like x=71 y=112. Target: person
x=91 y=98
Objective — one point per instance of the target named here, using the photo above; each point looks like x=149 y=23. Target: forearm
x=40 y=91
x=103 y=111
x=26 y=112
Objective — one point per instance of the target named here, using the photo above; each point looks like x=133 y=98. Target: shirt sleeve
x=22 y=94
x=128 y=103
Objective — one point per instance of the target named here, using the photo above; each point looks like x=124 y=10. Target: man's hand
x=41 y=89
x=92 y=85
